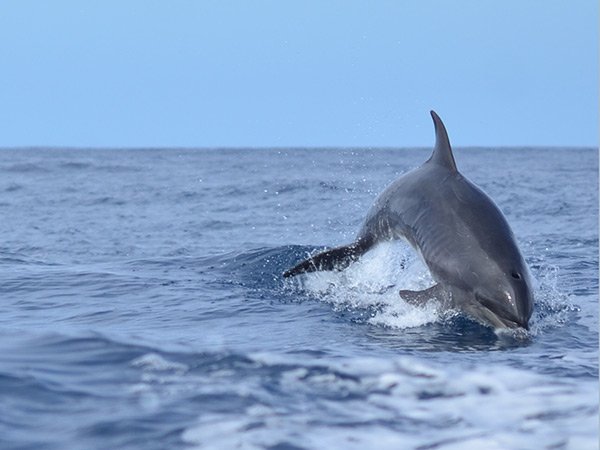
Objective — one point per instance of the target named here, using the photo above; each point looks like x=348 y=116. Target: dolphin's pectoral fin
x=335 y=259
x=419 y=298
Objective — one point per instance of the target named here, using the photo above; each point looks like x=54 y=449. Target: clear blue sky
x=303 y=73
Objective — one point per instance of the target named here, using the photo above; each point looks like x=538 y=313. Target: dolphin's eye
x=516 y=275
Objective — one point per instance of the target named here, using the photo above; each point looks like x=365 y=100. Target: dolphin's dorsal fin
x=442 y=152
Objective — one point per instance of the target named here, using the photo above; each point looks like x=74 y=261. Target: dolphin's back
x=446 y=218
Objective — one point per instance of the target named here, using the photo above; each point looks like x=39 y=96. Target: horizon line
x=295 y=147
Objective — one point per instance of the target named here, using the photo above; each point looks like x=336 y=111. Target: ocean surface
x=142 y=305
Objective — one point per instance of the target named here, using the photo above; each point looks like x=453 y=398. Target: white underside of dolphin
x=461 y=235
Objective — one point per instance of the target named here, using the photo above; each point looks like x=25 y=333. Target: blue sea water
x=142 y=305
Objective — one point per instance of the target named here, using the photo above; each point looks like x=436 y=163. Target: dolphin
x=458 y=231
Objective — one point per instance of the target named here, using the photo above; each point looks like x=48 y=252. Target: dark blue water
x=142 y=306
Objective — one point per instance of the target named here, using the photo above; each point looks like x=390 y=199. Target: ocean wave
x=371 y=402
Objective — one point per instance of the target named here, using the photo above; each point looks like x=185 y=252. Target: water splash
x=553 y=307
x=369 y=288
x=371 y=285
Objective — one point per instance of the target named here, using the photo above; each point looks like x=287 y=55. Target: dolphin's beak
x=501 y=314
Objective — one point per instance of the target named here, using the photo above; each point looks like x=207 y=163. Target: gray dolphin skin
x=458 y=231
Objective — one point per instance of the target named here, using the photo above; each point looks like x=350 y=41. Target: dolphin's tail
x=335 y=259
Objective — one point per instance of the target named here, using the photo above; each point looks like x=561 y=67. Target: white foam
x=432 y=406
x=155 y=362
x=372 y=284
